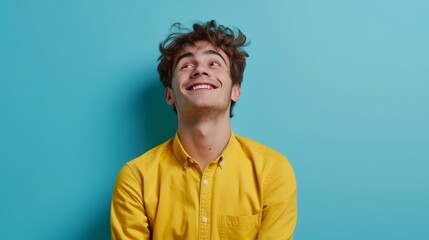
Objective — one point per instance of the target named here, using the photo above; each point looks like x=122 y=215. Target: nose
x=200 y=70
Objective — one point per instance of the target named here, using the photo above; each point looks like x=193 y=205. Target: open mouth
x=201 y=86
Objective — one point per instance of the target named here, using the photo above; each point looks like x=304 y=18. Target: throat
x=205 y=144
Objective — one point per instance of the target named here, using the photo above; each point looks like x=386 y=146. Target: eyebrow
x=208 y=52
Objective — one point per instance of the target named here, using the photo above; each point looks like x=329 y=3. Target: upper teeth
x=202 y=86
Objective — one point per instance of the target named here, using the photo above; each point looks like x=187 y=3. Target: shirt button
x=204 y=219
x=205 y=182
x=221 y=164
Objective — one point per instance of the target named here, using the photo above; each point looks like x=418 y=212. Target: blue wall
x=339 y=87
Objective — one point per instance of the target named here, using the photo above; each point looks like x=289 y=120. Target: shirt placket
x=206 y=201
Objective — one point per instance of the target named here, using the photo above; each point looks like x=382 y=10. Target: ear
x=169 y=96
x=235 y=93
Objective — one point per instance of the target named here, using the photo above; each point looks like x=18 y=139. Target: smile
x=198 y=87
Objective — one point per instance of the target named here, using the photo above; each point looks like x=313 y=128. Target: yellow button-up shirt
x=249 y=192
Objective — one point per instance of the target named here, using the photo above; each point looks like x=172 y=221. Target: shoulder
x=255 y=148
x=264 y=156
x=279 y=173
x=151 y=158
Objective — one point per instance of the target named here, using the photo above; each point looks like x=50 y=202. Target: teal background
x=341 y=88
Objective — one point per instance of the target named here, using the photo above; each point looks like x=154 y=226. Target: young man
x=206 y=182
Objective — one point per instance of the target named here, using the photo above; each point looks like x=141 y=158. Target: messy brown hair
x=229 y=40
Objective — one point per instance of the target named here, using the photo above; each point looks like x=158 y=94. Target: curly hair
x=229 y=40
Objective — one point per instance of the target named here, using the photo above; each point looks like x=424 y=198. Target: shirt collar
x=179 y=152
x=184 y=159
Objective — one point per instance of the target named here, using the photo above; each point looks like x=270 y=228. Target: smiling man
x=205 y=182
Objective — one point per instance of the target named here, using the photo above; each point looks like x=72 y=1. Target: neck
x=205 y=138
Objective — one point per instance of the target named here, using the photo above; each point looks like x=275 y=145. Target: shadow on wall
x=151 y=122
x=158 y=120
x=100 y=229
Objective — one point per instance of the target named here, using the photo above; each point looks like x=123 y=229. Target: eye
x=186 y=65
x=215 y=64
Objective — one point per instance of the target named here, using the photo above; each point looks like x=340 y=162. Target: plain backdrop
x=340 y=87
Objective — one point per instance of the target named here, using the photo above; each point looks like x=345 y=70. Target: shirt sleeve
x=279 y=214
x=128 y=219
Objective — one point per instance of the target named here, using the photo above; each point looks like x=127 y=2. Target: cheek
x=174 y=82
x=177 y=79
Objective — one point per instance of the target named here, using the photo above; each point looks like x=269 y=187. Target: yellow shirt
x=249 y=192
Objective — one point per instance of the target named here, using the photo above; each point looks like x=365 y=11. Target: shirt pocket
x=240 y=227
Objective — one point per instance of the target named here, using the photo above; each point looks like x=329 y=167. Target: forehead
x=201 y=47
